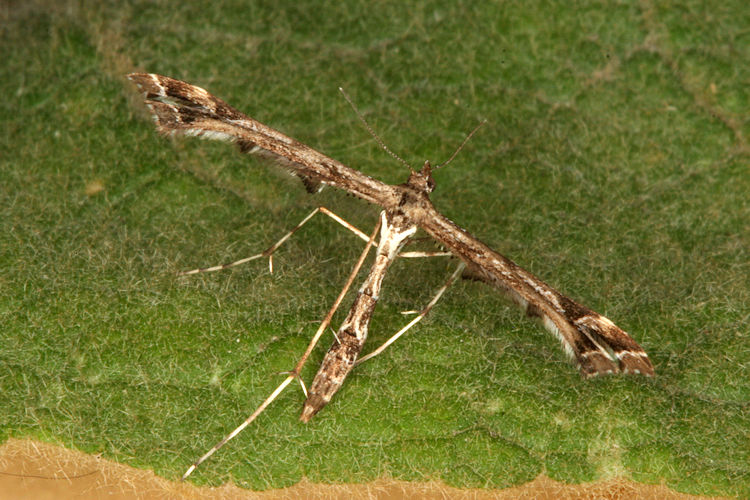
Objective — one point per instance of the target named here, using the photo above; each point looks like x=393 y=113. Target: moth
x=594 y=342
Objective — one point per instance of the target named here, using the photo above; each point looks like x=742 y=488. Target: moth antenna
x=461 y=146
x=372 y=132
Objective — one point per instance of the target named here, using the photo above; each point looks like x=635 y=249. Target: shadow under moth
x=596 y=344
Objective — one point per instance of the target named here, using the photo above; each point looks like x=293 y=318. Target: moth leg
x=268 y=252
x=422 y=253
x=412 y=255
x=424 y=312
x=294 y=373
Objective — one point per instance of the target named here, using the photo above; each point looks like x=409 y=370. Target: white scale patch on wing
x=210 y=134
x=543 y=291
x=267 y=131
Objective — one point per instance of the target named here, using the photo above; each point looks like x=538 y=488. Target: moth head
x=422 y=180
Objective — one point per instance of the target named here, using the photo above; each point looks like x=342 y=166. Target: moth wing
x=596 y=343
x=178 y=107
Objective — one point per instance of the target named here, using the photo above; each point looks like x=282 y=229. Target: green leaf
x=613 y=165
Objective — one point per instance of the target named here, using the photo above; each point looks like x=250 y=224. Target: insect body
x=596 y=344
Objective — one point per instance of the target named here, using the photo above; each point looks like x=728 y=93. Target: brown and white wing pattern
x=179 y=107
x=596 y=343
